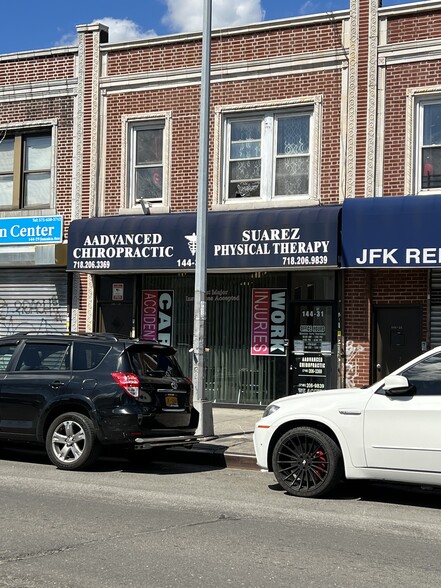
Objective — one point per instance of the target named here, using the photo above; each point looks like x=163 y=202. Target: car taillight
x=128 y=382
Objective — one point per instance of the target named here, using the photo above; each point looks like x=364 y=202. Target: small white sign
x=117 y=292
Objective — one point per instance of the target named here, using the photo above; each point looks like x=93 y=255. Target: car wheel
x=71 y=443
x=307 y=462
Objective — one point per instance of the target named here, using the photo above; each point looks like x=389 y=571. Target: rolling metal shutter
x=435 y=308
x=33 y=300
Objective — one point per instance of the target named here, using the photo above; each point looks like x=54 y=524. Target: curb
x=214 y=455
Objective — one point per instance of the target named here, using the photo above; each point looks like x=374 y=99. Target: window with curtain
x=146 y=177
x=268 y=155
x=428 y=145
x=25 y=171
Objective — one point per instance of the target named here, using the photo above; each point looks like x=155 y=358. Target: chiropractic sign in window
x=312 y=347
x=268 y=321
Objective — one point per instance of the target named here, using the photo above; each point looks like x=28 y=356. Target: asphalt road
x=183 y=525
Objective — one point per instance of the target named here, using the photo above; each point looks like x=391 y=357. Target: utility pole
x=202 y=405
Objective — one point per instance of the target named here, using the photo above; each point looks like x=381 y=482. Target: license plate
x=171 y=401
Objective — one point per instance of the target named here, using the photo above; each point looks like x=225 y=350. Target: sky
x=28 y=25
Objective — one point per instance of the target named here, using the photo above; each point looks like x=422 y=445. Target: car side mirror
x=398 y=386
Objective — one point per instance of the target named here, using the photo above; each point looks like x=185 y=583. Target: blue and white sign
x=399 y=231
x=31 y=230
x=295 y=238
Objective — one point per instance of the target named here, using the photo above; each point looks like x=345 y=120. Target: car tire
x=71 y=442
x=307 y=462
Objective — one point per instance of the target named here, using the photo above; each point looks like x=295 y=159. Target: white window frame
x=420 y=103
x=27 y=128
x=130 y=125
x=269 y=112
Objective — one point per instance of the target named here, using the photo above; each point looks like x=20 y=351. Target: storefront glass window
x=235 y=372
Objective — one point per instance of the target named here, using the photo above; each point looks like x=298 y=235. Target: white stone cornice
x=401 y=9
x=258 y=68
x=39 y=53
x=413 y=51
x=38 y=90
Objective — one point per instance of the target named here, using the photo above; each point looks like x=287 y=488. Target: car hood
x=322 y=403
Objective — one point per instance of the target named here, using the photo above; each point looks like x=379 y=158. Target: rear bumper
x=125 y=425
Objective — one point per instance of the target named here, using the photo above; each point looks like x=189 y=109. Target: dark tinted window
x=153 y=364
x=44 y=356
x=6 y=352
x=87 y=356
x=426 y=375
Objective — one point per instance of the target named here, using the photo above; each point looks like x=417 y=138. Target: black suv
x=76 y=393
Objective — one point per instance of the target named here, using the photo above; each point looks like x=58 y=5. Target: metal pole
x=202 y=405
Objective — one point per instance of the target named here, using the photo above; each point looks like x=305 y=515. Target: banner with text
x=268 y=321
x=157 y=315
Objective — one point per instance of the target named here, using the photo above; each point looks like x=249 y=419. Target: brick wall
x=364 y=289
x=414 y=27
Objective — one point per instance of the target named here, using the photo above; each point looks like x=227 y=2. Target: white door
x=404 y=432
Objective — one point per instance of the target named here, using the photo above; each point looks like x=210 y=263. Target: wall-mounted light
x=145 y=205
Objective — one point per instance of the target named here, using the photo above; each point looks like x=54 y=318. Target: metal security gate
x=33 y=300
x=435 y=308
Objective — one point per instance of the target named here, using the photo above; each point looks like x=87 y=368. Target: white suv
x=389 y=431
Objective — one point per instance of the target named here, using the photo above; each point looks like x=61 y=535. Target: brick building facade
x=307 y=115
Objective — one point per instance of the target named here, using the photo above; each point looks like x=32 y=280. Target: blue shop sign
x=31 y=230
x=289 y=238
x=400 y=231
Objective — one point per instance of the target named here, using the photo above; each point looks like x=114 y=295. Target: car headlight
x=270 y=409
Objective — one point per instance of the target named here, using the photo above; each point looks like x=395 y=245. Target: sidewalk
x=232 y=444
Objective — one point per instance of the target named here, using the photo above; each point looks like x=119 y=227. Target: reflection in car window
x=153 y=364
x=88 y=356
x=6 y=352
x=426 y=376
x=44 y=356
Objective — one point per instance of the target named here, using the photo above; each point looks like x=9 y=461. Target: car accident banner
x=157 y=315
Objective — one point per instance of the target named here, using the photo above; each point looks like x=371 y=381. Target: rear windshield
x=155 y=364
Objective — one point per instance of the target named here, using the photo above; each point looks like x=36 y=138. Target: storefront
x=397 y=241
x=272 y=293
x=33 y=279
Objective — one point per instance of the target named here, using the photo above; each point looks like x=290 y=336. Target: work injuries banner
x=268 y=321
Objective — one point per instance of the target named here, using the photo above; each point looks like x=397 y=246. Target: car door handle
x=56 y=384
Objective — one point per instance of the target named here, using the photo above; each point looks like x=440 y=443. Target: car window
x=44 y=356
x=153 y=364
x=426 y=375
x=87 y=356
x=6 y=353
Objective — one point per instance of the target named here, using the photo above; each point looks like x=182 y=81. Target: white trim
x=314 y=105
x=415 y=97
x=38 y=90
x=127 y=120
x=227 y=72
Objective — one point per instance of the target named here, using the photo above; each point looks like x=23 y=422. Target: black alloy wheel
x=71 y=443
x=307 y=462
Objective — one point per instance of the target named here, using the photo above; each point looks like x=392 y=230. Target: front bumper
x=261 y=439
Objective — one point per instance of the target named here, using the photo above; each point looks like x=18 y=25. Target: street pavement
x=232 y=442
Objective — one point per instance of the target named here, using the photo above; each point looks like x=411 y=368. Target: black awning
x=399 y=231
x=295 y=238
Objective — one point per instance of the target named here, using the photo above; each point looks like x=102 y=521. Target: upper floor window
x=146 y=175
x=25 y=171
x=268 y=155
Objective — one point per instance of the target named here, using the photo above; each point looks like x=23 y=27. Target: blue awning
x=289 y=238
x=396 y=232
